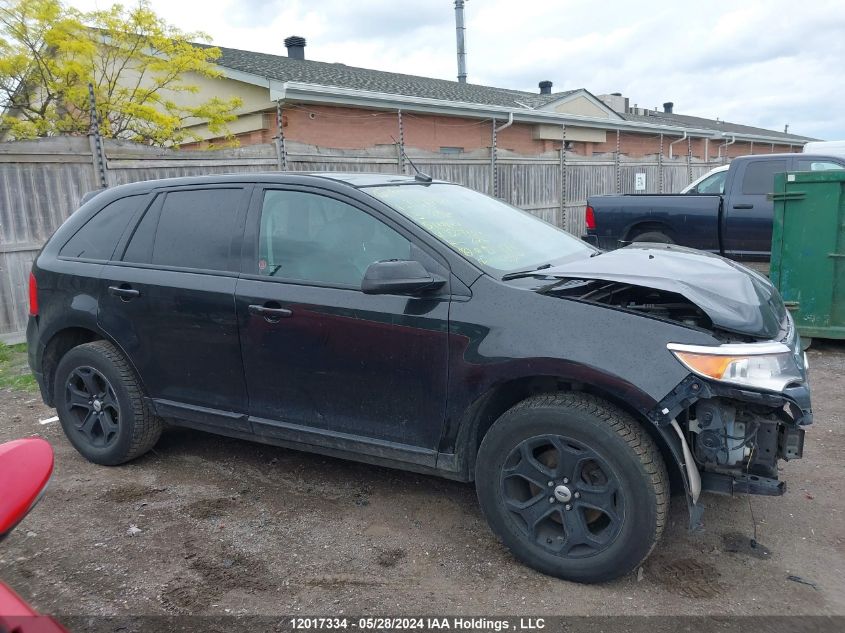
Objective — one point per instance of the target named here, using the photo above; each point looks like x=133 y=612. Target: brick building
x=340 y=106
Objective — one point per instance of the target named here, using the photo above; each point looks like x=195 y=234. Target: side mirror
x=398 y=277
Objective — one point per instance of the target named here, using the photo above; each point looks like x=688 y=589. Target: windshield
x=488 y=231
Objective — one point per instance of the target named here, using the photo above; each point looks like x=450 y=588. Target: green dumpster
x=808 y=250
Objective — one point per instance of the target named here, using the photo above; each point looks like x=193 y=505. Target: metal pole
x=95 y=140
x=563 y=173
x=494 y=184
x=660 y=166
x=281 y=153
x=689 y=160
x=460 y=30
x=401 y=143
x=618 y=165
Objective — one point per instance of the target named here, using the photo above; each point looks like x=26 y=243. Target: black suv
x=422 y=325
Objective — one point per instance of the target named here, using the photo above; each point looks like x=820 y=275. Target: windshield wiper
x=526 y=273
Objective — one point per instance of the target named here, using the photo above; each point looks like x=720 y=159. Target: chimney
x=460 y=32
x=545 y=87
x=786 y=129
x=295 y=46
x=667 y=107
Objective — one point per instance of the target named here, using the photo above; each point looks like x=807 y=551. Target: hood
x=732 y=296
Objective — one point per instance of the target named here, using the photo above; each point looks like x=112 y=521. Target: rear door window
x=98 y=237
x=188 y=229
x=760 y=176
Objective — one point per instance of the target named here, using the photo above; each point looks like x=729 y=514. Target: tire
x=101 y=407
x=612 y=464
x=655 y=237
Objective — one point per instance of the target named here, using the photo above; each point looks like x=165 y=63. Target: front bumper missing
x=793 y=410
x=741 y=483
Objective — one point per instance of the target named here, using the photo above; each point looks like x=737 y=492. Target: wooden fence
x=41 y=183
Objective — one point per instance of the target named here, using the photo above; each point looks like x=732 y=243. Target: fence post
x=281 y=153
x=689 y=159
x=401 y=158
x=660 y=167
x=96 y=141
x=563 y=218
x=494 y=184
x=618 y=165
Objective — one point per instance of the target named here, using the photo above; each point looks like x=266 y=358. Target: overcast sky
x=765 y=63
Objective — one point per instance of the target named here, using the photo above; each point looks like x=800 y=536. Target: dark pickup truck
x=732 y=217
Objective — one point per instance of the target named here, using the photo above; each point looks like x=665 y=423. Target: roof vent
x=667 y=107
x=545 y=87
x=295 y=46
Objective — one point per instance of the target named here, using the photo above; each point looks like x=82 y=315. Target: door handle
x=743 y=206
x=270 y=313
x=124 y=291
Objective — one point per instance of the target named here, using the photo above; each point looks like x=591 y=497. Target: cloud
x=760 y=62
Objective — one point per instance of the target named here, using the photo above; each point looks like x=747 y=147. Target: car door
x=167 y=299
x=749 y=214
x=325 y=363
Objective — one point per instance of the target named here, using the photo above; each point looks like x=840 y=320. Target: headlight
x=769 y=366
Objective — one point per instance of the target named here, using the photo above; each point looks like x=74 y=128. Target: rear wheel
x=655 y=237
x=101 y=407
x=573 y=486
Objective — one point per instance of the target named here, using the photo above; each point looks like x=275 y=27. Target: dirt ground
x=216 y=526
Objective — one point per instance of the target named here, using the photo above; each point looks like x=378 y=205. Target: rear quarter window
x=98 y=237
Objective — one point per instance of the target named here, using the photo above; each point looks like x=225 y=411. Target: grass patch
x=14 y=370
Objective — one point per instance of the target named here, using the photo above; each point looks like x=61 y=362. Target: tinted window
x=308 y=237
x=98 y=237
x=190 y=229
x=818 y=165
x=760 y=176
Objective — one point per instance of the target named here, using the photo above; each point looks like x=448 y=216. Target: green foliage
x=14 y=371
x=140 y=66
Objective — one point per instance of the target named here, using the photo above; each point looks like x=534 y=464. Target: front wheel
x=573 y=486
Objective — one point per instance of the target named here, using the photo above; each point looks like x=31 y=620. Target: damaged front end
x=740 y=411
x=744 y=404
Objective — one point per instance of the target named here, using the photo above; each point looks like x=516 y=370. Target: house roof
x=712 y=124
x=336 y=75
x=283 y=68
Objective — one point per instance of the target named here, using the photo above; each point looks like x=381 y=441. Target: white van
x=826 y=148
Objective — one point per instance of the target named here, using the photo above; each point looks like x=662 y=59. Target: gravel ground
x=216 y=526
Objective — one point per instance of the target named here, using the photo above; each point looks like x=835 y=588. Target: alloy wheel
x=564 y=496
x=93 y=406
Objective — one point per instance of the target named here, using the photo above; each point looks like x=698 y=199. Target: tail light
x=33 y=296
x=590 y=218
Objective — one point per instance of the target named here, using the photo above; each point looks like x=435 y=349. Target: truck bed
x=688 y=220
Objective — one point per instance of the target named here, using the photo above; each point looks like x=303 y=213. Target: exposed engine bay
x=651 y=301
